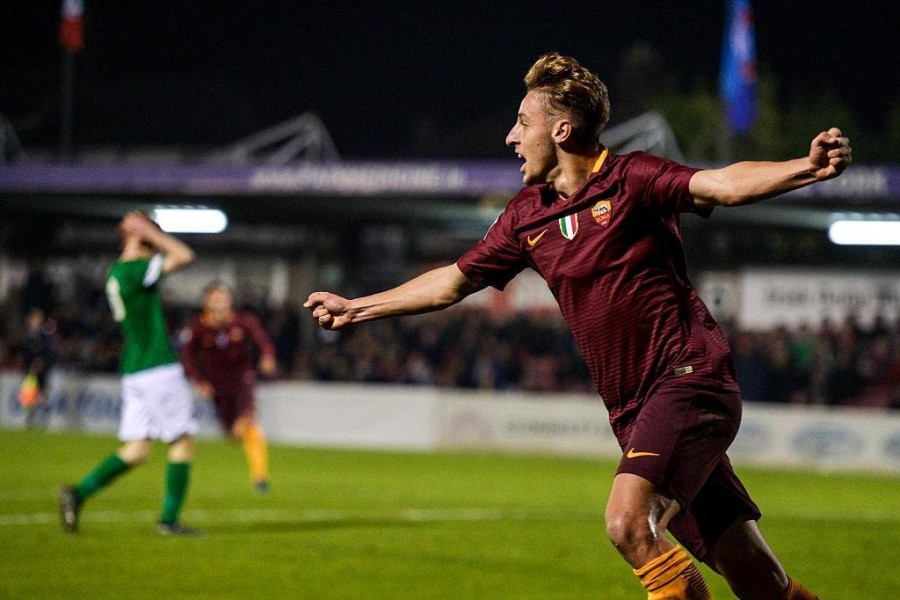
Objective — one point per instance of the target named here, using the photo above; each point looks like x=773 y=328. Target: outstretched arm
x=267 y=362
x=748 y=182
x=431 y=291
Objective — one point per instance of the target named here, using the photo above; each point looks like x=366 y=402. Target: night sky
x=423 y=79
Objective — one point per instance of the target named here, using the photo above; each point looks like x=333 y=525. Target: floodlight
x=865 y=233
x=191 y=220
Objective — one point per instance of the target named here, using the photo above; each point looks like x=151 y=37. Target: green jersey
x=132 y=288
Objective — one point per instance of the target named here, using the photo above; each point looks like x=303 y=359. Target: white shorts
x=157 y=404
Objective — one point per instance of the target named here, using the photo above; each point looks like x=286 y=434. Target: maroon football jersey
x=613 y=258
x=224 y=355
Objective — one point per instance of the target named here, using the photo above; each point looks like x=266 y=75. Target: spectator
x=38 y=350
x=754 y=369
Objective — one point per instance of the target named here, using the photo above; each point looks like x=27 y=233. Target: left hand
x=830 y=154
x=267 y=365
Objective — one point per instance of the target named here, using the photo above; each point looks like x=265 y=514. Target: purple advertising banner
x=858 y=185
x=339 y=179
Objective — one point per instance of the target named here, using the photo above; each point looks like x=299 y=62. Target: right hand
x=830 y=154
x=205 y=389
x=329 y=310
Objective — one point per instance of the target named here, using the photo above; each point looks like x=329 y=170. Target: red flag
x=71 y=27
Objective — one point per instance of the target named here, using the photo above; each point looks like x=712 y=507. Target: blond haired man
x=603 y=231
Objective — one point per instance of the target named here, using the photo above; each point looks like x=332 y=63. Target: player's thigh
x=137 y=421
x=721 y=502
x=173 y=407
x=245 y=401
x=234 y=403
x=680 y=436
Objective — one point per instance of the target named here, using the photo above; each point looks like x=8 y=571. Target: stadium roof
x=454 y=201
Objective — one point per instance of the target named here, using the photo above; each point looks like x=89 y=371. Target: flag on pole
x=71 y=26
x=737 y=80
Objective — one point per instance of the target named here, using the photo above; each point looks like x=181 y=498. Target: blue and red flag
x=737 y=81
x=71 y=26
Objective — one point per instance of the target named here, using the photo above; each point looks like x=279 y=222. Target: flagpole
x=67 y=99
x=71 y=38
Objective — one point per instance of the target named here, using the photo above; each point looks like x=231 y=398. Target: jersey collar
x=600 y=160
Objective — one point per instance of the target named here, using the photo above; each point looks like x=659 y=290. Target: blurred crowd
x=460 y=347
x=832 y=364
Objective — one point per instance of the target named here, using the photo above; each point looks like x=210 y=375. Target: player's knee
x=134 y=453
x=182 y=449
x=627 y=530
x=135 y=460
x=239 y=427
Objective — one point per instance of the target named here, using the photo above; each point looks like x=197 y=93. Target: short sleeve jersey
x=132 y=289
x=224 y=354
x=613 y=257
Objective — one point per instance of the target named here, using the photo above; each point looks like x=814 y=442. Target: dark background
x=435 y=79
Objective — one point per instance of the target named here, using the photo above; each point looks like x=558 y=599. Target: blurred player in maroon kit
x=603 y=231
x=218 y=357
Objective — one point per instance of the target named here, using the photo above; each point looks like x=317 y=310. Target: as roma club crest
x=601 y=213
x=568 y=226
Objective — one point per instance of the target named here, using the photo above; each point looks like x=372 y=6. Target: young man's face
x=133 y=240
x=532 y=139
x=217 y=302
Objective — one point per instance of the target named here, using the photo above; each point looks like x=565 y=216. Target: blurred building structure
x=301 y=219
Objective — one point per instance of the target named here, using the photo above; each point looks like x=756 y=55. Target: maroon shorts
x=233 y=401
x=678 y=443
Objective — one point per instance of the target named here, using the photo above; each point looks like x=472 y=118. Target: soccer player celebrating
x=603 y=231
x=156 y=397
x=218 y=358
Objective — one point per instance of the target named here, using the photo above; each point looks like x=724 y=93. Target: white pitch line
x=410 y=515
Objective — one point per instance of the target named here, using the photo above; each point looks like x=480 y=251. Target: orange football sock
x=797 y=591
x=673 y=576
x=254 y=441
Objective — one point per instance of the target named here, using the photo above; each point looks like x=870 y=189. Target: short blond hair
x=572 y=89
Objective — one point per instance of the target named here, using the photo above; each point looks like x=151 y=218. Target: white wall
x=429 y=419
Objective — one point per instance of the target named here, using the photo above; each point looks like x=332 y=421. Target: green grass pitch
x=381 y=525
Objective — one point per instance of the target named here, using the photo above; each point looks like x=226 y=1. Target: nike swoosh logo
x=633 y=454
x=532 y=241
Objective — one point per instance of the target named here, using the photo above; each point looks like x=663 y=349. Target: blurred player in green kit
x=156 y=398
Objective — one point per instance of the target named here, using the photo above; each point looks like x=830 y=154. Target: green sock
x=177 y=477
x=103 y=474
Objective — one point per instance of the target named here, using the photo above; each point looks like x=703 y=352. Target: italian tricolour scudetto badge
x=568 y=226
x=601 y=213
